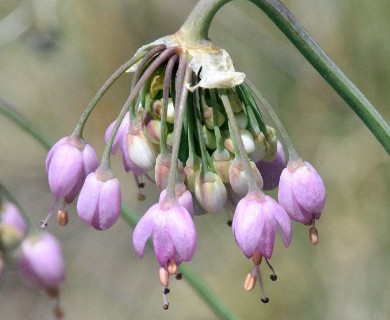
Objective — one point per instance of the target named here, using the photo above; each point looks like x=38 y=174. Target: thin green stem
x=78 y=131
x=16 y=117
x=196 y=28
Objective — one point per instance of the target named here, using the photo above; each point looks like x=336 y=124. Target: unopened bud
x=238 y=179
x=250 y=282
x=313 y=234
x=234 y=100
x=209 y=138
x=62 y=217
x=163 y=276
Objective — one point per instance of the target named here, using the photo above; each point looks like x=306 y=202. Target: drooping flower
x=302 y=194
x=68 y=163
x=271 y=171
x=41 y=263
x=256 y=221
x=99 y=203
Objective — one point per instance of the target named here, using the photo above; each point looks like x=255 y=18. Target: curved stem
x=16 y=117
x=198 y=23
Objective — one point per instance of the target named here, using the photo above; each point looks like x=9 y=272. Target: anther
x=264 y=300
x=163 y=276
x=179 y=276
x=141 y=196
x=250 y=282
x=62 y=217
x=166 y=306
x=166 y=291
x=171 y=267
x=273 y=276
x=43 y=224
x=229 y=222
x=141 y=185
x=313 y=234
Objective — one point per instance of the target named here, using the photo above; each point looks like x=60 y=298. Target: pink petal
x=144 y=229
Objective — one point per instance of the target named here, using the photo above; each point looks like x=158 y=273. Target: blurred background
x=54 y=56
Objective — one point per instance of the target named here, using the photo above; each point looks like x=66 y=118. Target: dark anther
x=141 y=185
x=229 y=223
x=264 y=300
x=43 y=224
x=166 y=306
x=273 y=277
x=166 y=291
x=179 y=276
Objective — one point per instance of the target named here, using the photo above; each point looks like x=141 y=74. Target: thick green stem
x=196 y=28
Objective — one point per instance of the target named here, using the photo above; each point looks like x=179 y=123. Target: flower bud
x=68 y=162
x=162 y=168
x=238 y=179
x=41 y=263
x=209 y=138
x=234 y=100
x=208 y=117
x=270 y=171
x=99 y=203
x=241 y=119
x=151 y=130
x=141 y=151
x=247 y=140
x=191 y=170
x=222 y=161
x=301 y=192
x=210 y=191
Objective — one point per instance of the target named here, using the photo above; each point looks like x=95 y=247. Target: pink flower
x=99 y=203
x=41 y=263
x=11 y=217
x=255 y=222
x=270 y=171
x=172 y=230
x=301 y=192
x=120 y=135
x=68 y=163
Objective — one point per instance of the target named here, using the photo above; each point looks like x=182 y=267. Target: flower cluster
x=37 y=254
x=192 y=119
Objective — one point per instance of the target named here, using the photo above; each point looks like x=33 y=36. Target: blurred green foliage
x=56 y=57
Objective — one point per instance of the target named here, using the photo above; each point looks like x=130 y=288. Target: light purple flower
x=121 y=133
x=41 y=263
x=11 y=217
x=270 y=171
x=68 y=163
x=99 y=203
x=172 y=230
x=183 y=196
x=301 y=192
x=255 y=222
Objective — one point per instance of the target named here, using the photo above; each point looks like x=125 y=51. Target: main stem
x=195 y=30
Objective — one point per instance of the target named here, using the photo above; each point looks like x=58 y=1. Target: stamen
x=166 y=291
x=171 y=267
x=179 y=276
x=165 y=299
x=149 y=178
x=313 y=234
x=230 y=222
x=62 y=217
x=250 y=282
x=43 y=223
x=140 y=196
x=257 y=257
x=264 y=298
x=273 y=276
x=163 y=276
